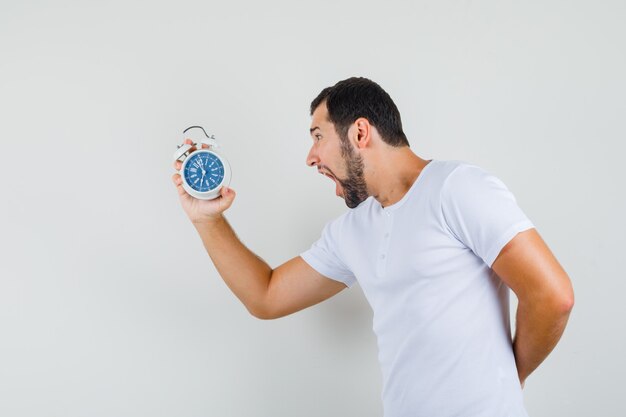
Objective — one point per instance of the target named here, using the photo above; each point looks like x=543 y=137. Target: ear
x=361 y=132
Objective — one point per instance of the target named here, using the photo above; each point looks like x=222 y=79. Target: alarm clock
x=204 y=170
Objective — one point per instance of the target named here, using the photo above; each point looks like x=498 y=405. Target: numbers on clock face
x=204 y=171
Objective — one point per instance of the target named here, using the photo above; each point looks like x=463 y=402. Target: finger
x=179 y=184
x=189 y=142
x=178 y=164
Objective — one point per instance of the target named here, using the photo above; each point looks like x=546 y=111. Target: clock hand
x=203 y=173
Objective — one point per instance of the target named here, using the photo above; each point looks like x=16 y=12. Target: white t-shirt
x=441 y=314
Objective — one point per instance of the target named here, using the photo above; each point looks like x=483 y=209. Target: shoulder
x=439 y=169
x=465 y=177
x=465 y=184
x=456 y=168
x=448 y=176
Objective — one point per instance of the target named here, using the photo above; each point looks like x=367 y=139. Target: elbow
x=563 y=300
x=555 y=307
x=265 y=307
x=262 y=312
x=261 y=315
x=567 y=302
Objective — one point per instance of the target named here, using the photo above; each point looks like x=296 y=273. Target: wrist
x=208 y=221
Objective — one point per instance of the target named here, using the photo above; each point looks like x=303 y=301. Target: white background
x=109 y=305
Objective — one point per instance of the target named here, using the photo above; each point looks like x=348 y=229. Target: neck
x=391 y=177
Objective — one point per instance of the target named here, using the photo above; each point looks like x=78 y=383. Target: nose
x=312 y=158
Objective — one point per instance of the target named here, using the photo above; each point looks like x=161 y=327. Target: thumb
x=228 y=194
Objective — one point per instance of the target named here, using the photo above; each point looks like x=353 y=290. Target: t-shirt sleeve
x=481 y=212
x=324 y=258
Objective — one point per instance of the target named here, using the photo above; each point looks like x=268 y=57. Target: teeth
x=327 y=175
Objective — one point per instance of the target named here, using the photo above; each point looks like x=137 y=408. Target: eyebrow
x=312 y=129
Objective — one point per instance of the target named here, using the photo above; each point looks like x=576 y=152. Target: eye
x=318 y=136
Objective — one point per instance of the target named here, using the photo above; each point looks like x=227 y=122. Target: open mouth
x=329 y=175
x=338 y=188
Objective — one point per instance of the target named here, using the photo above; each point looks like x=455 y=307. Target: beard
x=354 y=186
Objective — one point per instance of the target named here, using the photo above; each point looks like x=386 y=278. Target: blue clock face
x=204 y=171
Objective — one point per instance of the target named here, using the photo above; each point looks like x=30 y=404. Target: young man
x=435 y=246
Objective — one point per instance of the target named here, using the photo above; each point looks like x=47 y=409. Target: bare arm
x=267 y=293
x=545 y=296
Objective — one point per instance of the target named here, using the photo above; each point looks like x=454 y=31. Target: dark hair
x=357 y=97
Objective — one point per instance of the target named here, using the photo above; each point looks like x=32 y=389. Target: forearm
x=539 y=327
x=245 y=273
